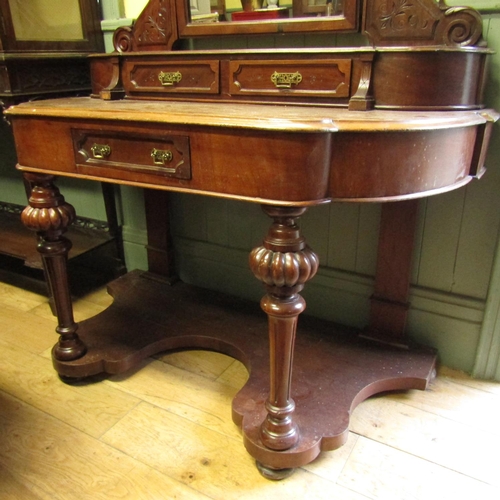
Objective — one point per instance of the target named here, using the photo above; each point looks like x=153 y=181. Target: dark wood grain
x=289 y=129
x=389 y=303
x=334 y=370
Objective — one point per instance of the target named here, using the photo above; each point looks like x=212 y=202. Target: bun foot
x=69 y=349
x=274 y=474
x=70 y=380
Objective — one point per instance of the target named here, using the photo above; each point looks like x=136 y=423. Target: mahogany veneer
x=288 y=159
x=287 y=129
x=334 y=370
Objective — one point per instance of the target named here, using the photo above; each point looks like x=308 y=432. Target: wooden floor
x=165 y=431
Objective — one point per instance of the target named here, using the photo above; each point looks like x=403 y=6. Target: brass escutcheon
x=286 y=80
x=160 y=156
x=169 y=78
x=100 y=151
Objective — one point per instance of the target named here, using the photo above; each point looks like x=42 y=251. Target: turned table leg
x=49 y=215
x=283 y=263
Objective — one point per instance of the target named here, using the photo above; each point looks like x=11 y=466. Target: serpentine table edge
x=287 y=158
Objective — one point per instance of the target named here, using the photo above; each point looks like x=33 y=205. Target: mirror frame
x=348 y=22
x=92 y=36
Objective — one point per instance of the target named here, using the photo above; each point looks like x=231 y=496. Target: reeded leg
x=284 y=263
x=49 y=215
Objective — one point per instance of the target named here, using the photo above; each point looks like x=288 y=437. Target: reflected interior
x=46 y=20
x=213 y=11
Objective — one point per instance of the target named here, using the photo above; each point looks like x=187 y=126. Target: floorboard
x=165 y=431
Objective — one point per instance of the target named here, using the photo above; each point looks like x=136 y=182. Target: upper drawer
x=172 y=77
x=167 y=156
x=320 y=78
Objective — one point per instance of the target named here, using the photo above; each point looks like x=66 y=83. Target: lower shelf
x=333 y=371
x=93 y=259
x=19 y=242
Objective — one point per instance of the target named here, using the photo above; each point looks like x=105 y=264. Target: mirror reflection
x=45 y=20
x=213 y=11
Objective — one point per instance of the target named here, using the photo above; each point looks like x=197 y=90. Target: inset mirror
x=45 y=20
x=220 y=17
x=50 y=25
x=261 y=10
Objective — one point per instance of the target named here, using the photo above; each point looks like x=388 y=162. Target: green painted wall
x=453 y=258
x=454 y=252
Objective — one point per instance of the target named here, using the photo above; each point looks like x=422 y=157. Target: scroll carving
x=122 y=39
x=422 y=22
x=155 y=29
x=386 y=23
x=461 y=26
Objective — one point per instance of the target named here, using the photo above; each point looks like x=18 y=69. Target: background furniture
x=44 y=53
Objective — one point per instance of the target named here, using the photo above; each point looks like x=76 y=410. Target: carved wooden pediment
x=421 y=22
x=385 y=22
x=155 y=29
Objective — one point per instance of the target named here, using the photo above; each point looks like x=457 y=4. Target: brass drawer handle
x=160 y=156
x=286 y=80
x=100 y=151
x=170 y=78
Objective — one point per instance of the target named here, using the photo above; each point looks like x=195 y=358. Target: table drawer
x=323 y=78
x=172 y=77
x=167 y=156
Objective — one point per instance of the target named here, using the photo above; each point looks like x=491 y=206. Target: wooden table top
x=293 y=118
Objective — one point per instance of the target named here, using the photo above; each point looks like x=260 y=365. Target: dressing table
x=392 y=121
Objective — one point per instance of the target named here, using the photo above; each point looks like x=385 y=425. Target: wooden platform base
x=333 y=370
x=94 y=259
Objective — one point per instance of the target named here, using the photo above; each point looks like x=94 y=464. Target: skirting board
x=447 y=322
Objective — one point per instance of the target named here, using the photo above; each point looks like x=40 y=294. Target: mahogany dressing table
x=290 y=129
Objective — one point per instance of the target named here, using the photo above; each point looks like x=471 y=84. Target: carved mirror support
x=386 y=24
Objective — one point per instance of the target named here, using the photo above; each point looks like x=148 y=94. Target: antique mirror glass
x=50 y=25
x=219 y=17
x=46 y=20
x=260 y=10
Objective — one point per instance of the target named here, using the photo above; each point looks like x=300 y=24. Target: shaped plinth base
x=334 y=369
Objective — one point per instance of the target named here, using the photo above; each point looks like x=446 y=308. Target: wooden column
x=160 y=250
x=389 y=303
x=49 y=215
x=114 y=226
x=283 y=263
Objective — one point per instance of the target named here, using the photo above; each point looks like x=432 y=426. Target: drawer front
x=166 y=156
x=172 y=77
x=323 y=78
